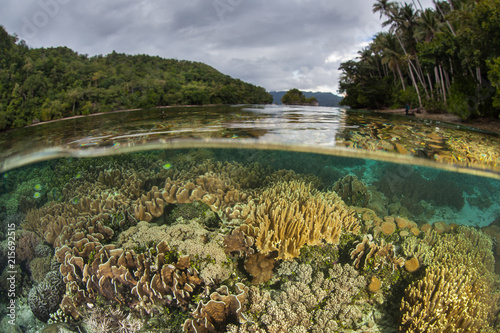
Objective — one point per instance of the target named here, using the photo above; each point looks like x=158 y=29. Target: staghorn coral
x=369 y=254
x=223 y=308
x=290 y=215
x=448 y=299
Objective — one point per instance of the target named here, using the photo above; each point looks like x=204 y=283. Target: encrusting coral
x=289 y=215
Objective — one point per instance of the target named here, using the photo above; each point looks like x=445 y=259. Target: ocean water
x=249 y=219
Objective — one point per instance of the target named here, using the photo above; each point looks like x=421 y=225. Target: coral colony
x=195 y=241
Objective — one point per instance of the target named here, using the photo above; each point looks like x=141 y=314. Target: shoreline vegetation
x=44 y=84
x=445 y=60
x=479 y=123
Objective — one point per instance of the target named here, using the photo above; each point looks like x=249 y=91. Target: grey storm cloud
x=278 y=44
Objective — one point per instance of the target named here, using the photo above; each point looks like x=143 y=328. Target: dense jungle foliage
x=50 y=83
x=445 y=59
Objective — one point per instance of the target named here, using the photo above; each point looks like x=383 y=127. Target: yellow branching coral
x=292 y=214
x=448 y=299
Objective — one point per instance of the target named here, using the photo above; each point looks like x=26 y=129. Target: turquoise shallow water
x=248 y=219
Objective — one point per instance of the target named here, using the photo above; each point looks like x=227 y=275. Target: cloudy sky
x=276 y=44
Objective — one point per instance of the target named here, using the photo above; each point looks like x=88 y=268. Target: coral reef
x=188 y=238
x=260 y=266
x=352 y=191
x=45 y=297
x=222 y=309
x=97 y=320
x=289 y=215
x=165 y=241
x=464 y=302
x=306 y=301
x=157 y=276
x=237 y=241
x=370 y=254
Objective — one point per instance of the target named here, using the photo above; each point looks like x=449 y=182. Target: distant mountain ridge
x=324 y=98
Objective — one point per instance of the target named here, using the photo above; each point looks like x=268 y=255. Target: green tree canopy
x=51 y=83
x=443 y=59
x=296 y=97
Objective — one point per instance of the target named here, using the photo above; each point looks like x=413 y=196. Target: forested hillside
x=445 y=59
x=51 y=83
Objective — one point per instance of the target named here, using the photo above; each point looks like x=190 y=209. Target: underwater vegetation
x=223 y=241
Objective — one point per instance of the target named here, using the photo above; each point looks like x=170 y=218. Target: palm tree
x=428 y=24
x=387 y=43
x=383 y=6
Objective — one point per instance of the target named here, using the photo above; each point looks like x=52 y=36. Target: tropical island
x=41 y=84
x=323 y=98
x=441 y=60
x=296 y=97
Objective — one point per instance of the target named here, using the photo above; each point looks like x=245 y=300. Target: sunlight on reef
x=238 y=240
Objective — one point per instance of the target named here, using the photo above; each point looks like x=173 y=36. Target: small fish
x=37 y=195
x=38 y=187
x=167 y=166
x=6 y=175
x=78 y=175
x=75 y=201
